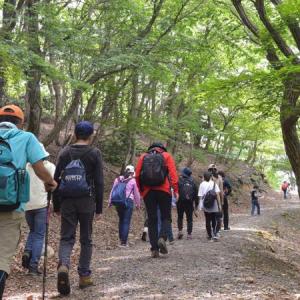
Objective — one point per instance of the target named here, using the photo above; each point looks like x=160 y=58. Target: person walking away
x=187 y=202
x=209 y=195
x=284 y=188
x=36 y=214
x=79 y=198
x=17 y=148
x=156 y=175
x=227 y=189
x=212 y=168
x=125 y=187
x=255 y=195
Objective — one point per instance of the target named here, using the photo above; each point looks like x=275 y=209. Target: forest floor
x=258 y=258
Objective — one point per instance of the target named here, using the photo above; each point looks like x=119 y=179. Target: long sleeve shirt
x=131 y=191
x=92 y=160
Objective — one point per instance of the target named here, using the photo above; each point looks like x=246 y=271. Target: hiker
x=227 y=189
x=255 y=195
x=209 y=194
x=187 y=202
x=212 y=168
x=36 y=214
x=78 y=198
x=17 y=148
x=156 y=175
x=124 y=195
x=284 y=188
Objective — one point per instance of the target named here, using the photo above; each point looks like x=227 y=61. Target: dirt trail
x=254 y=260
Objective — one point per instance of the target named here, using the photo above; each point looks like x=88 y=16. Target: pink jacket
x=132 y=190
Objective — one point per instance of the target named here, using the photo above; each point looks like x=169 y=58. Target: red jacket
x=166 y=186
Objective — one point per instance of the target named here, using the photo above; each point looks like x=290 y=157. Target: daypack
x=154 y=170
x=210 y=198
x=118 y=194
x=14 y=183
x=186 y=189
x=73 y=180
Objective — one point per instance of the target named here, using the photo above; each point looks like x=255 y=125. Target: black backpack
x=186 y=189
x=210 y=198
x=154 y=170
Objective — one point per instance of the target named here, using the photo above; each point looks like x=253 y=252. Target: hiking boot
x=144 y=236
x=34 y=272
x=123 y=245
x=85 y=281
x=215 y=238
x=189 y=237
x=227 y=228
x=162 y=246
x=171 y=242
x=63 y=283
x=180 y=235
x=154 y=253
x=26 y=259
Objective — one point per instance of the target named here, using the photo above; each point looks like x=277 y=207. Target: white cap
x=130 y=169
x=212 y=166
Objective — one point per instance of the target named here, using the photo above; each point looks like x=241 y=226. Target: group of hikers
x=76 y=183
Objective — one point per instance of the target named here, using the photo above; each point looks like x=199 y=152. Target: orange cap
x=12 y=110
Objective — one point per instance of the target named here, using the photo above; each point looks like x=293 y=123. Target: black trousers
x=3 y=276
x=211 y=223
x=153 y=200
x=185 y=206
x=74 y=211
x=226 y=213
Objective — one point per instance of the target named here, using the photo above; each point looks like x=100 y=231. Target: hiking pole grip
x=49 y=195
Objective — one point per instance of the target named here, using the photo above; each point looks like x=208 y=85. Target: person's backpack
x=14 y=183
x=118 y=194
x=73 y=180
x=186 y=189
x=154 y=170
x=210 y=198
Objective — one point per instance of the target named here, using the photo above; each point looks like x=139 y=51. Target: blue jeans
x=169 y=228
x=255 y=203
x=124 y=214
x=36 y=220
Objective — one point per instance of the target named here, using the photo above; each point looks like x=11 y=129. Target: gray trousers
x=74 y=211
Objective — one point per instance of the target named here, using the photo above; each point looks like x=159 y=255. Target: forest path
x=254 y=260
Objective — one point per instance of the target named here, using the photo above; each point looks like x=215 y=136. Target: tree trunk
x=289 y=116
x=33 y=91
x=63 y=121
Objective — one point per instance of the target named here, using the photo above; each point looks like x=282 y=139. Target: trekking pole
x=46 y=244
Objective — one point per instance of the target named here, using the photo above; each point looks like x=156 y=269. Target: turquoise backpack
x=14 y=183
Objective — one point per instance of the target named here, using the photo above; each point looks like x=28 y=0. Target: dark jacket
x=182 y=179
x=94 y=170
x=226 y=187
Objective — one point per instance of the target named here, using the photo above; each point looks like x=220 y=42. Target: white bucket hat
x=129 y=169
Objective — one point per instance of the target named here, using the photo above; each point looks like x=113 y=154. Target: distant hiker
x=17 y=148
x=187 y=202
x=79 y=198
x=209 y=194
x=212 y=168
x=284 y=188
x=227 y=189
x=36 y=214
x=255 y=195
x=156 y=175
x=124 y=196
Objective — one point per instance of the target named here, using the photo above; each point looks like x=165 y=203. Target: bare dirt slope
x=258 y=259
